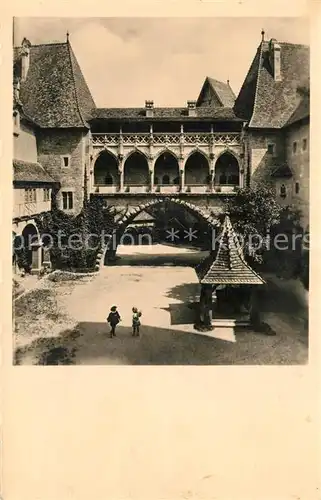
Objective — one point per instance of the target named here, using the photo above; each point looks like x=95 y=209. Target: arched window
x=136 y=170
x=196 y=169
x=227 y=170
x=106 y=169
x=166 y=167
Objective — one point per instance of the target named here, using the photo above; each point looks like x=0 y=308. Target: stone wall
x=55 y=144
x=298 y=161
x=25 y=144
x=263 y=162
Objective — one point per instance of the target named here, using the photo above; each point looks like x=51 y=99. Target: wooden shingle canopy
x=229 y=266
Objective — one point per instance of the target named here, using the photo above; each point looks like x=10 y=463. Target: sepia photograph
x=160 y=191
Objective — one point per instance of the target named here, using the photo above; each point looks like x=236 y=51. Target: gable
x=208 y=97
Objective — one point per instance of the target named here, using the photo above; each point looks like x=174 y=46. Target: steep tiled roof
x=301 y=112
x=137 y=114
x=282 y=171
x=55 y=93
x=229 y=266
x=219 y=93
x=267 y=103
x=24 y=171
x=223 y=91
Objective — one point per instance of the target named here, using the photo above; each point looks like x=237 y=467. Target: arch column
x=121 y=172
x=212 y=170
x=181 y=173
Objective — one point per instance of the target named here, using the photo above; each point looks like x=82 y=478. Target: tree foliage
x=253 y=212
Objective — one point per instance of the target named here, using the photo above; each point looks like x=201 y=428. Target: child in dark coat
x=113 y=319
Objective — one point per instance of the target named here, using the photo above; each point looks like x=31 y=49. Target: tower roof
x=264 y=102
x=54 y=93
x=229 y=265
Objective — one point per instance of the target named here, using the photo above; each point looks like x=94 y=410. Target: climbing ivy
x=75 y=239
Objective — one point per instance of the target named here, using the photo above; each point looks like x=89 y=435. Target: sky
x=126 y=61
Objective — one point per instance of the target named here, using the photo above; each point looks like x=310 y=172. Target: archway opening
x=136 y=170
x=227 y=170
x=196 y=170
x=166 y=169
x=167 y=224
x=29 y=252
x=106 y=170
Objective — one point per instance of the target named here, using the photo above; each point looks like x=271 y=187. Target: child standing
x=113 y=319
x=136 y=321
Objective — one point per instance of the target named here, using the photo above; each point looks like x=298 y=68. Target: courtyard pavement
x=160 y=281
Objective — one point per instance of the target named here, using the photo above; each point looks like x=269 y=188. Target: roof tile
x=24 y=171
x=55 y=93
x=229 y=265
x=267 y=103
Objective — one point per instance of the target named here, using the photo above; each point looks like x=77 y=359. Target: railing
x=28 y=209
x=197 y=188
x=144 y=139
x=165 y=189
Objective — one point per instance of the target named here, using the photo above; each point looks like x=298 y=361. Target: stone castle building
x=64 y=146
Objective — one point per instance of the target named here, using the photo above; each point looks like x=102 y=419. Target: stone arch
x=136 y=169
x=197 y=169
x=106 y=169
x=227 y=169
x=166 y=168
x=198 y=212
x=210 y=220
x=31 y=247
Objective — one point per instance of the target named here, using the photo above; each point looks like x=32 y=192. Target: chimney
x=275 y=59
x=191 y=108
x=149 y=108
x=25 y=58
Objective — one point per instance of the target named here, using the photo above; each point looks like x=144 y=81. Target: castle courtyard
x=160 y=280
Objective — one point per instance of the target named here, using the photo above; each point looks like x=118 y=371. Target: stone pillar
x=121 y=172
x=206 y=304
x=151 y=177
x=212 y=170
x=181 y=174
x=255 y=317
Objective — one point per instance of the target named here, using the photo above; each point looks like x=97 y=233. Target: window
x=283 y=191
x=67 y=200
x=304 y=144
x=294 y=147
x=166 y=179
x=270 y=149
x=65 y=161
x=46 y=194
x=30 y=195
x=297 y=188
